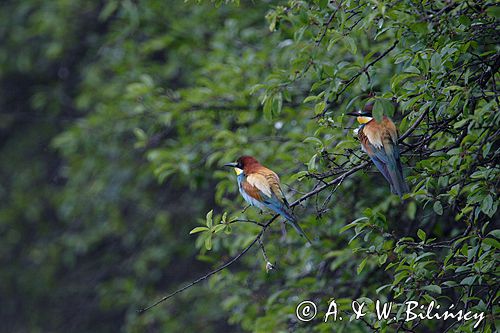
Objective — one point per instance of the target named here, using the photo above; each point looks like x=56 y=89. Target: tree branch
x=352 y=79
x=257 y=239
x=209 y=274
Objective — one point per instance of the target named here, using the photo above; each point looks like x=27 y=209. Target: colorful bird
x=379 y=141
x=260 y=187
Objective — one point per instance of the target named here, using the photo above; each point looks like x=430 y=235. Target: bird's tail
x=288 y=215
x=398 y=182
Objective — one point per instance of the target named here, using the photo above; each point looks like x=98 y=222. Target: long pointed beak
x=356 y=114
x=232 y=165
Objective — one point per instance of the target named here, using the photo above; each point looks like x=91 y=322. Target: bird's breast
x=252 y=200
x=240 y=179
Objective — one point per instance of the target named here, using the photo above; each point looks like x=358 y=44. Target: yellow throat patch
x=364 y=120
x=238 y=171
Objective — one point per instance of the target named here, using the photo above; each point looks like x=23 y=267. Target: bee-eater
x=379 y=141
x=260 y=187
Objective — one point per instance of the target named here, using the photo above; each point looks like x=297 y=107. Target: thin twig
x=414 y=126
x=269 y=265
x=327 y=24
x=209 y=274
x=247 y=221
x=352 y=79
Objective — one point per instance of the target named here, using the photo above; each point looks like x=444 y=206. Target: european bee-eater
x=261 y=187
x=379 y=141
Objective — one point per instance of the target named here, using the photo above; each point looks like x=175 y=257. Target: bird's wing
x=380 y=142
x=260 y=183
x=390 y=128
x=274 y=183
x=379 y=139
x=376 y=144
x=264 y=185
x=267 y=182
x=372 y=133
x=252 y=191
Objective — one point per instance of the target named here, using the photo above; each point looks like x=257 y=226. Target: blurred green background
x=88 y=235
x=115 y=119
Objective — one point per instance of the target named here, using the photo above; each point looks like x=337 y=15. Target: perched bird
x=261 y=187
x=379 y=141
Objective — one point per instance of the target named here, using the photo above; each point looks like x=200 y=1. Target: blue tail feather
x=283 y=210
x=389 y=164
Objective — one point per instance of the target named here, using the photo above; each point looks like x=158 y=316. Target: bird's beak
x=232 y=165
x=355 y=114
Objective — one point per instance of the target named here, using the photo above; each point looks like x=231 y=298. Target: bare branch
x=269 y=265
x=327 y=24
x=209 y=274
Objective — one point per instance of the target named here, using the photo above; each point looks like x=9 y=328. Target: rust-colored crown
x=246 y=161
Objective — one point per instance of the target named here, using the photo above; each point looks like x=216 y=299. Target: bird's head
x=363 y=116
x=242 y=163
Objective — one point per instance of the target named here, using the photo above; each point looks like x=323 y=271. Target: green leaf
x=140 y=134
x=388 y=107
x=378 y=110
x=313 y=140
x=487 y=205
x=198 y=229
x=209 y=220
x=379 y=289
x=208 y=243
x=277 y=104
x=399 y=277
x=468 y=280
x=492 y=242
x=362 y=265
x=464 y=20
x=412 y=210
x=396 y=80
x=436 y=62
x=432 y=288
x=319 y=107
x=218 y=228
x=310 y=99
x=421 y=234
x=486 y=149
x=351 y=45
x=494 y=11
x=438 y=208
x=311 y=165
x=412 y=70
x=450 y=88
x=272 y=18
x=495 y=233
x=108 y=10
x=268 y=109
x=353 y=224
x=382 y=259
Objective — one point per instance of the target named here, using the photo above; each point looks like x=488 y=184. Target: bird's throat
x=364 y=119
x=238 y=171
